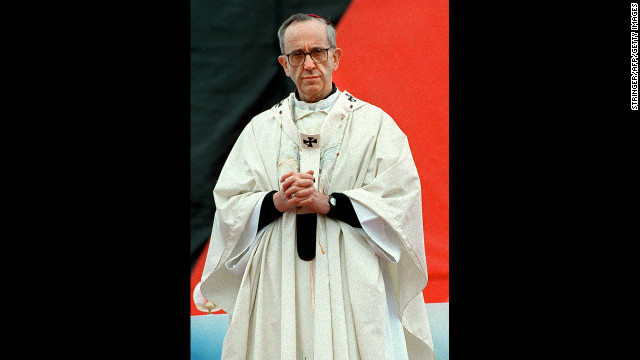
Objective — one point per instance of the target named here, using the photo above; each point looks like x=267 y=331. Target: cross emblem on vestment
x=310 y=142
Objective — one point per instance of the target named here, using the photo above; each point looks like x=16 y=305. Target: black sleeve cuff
x=344 y=210
x=268 y=211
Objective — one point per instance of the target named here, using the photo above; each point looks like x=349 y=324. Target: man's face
x=312 y=80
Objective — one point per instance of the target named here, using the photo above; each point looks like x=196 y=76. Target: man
x=317 y=247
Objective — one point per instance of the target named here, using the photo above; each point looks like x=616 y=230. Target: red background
x=396 y=56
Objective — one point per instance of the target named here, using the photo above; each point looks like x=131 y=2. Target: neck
x=333 y=90
x=321 y=105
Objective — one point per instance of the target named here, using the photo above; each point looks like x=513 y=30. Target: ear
x=283 y=62
x=337 y=55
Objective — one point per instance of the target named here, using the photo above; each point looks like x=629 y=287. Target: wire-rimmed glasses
x=318 y=56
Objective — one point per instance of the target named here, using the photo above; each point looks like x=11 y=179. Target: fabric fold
x=366 y=283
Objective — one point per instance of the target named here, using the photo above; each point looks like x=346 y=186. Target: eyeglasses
x=318 y=56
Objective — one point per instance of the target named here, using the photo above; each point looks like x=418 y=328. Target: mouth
x=310 y=77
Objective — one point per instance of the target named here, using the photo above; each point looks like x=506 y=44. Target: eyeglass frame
x=326 y=50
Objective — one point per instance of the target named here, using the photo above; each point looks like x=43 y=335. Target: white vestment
x=361 y=296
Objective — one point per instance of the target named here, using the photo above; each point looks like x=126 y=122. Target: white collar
x=324 y=104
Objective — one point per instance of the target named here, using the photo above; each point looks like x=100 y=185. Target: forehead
x=305 y=35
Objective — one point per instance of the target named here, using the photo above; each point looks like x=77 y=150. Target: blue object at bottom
x=208 y=331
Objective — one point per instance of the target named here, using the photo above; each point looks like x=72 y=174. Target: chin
x=310 y=92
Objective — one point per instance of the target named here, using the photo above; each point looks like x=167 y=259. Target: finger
x=303 y=183
x=286 y=175
x=300 y=191
x=306 y=175
x=303 y=193
x=293 y=194
x=292 y=179
x=306 y=201
x=290 y=191
x=288 y=182
x=295 y=199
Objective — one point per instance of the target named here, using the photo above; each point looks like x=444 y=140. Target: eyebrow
x=313 y=48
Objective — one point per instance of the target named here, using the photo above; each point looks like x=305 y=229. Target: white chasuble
x=361 y=296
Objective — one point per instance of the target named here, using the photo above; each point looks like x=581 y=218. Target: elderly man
x=317 y=247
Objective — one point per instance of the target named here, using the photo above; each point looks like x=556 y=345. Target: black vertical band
x=306 y=235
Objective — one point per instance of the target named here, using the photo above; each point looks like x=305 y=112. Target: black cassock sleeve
x=306 y=223
x=344 y=210
x=268 y=211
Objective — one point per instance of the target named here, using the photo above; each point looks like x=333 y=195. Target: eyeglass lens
x=317 y=55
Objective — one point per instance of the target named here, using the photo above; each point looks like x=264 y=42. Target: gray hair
x=331 y=30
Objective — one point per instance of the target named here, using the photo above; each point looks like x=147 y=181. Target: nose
x=309 y=64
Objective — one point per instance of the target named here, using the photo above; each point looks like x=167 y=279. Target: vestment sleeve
x=368 y=224
x=373 y=231
x=246 y=242
x=390 y=189
x=238 y=195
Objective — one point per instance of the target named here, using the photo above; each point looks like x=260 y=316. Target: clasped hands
x=306 y=198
